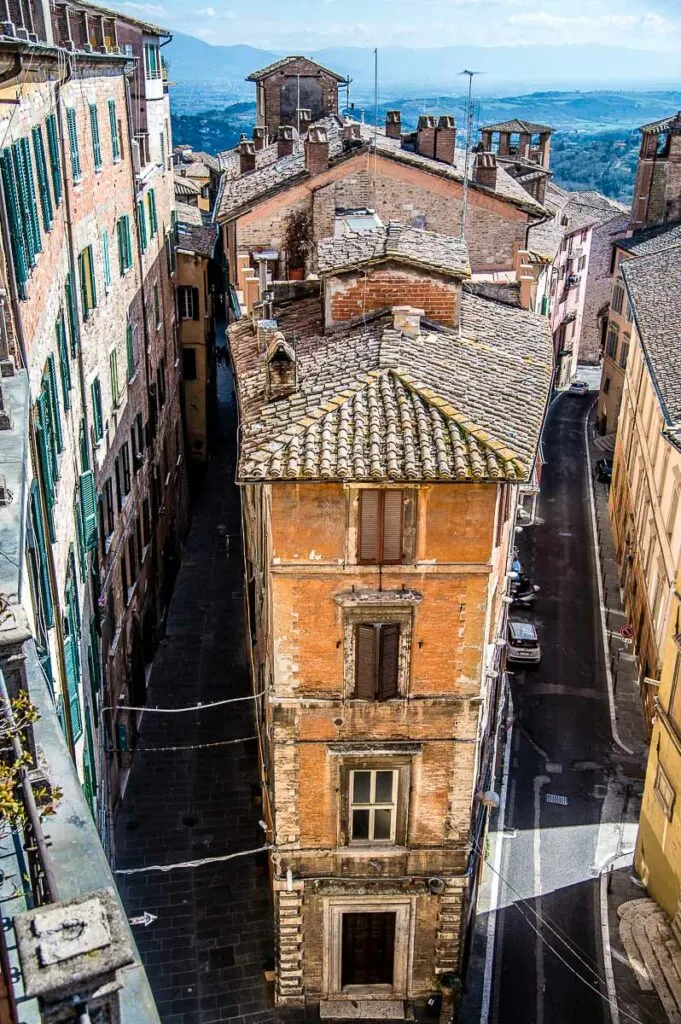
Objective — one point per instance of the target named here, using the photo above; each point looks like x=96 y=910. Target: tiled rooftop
x=516 y=125
x=279 y=65
x=194 y=238
x=373 y=403
x=187 y=214
x=654 y=286
x=664 y=124
x=442 y=253
x=651 y=240
x=240 y=193
x=185 y=186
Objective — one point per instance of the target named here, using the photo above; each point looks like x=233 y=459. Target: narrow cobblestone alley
x=205 y=952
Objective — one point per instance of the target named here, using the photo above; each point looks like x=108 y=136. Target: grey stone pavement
x=205 y=951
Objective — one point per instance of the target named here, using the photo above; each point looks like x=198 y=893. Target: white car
x=523 y=643
x=579 y=387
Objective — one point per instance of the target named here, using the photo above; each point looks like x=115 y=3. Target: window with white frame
x=665 y=792
x=186 y=302
x=373 y=805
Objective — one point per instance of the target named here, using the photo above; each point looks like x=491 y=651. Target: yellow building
x=644 y=498
x=196 y=318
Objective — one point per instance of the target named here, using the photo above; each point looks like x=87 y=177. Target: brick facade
x=352 y=295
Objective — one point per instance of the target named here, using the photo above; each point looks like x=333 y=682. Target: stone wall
x=598 y=286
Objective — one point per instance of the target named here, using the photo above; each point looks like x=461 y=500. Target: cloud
x=207 y=12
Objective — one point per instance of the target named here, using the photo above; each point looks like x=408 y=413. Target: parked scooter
x=523 y=593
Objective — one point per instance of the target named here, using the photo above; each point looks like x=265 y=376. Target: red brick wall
x=391 y=285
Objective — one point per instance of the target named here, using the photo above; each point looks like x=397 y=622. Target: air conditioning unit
x=135 y=149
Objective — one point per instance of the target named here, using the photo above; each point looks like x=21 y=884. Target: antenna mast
x=375 y=117
x=469 y=128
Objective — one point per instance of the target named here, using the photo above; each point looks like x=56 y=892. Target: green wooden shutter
x=54 y=403
x=96 y=144
x=44 y=576
x=142 y=221
x=80 y=539
x=47 y=455
x=83 y=445
x=97 y=418
x=91 y=274
x=72 y=666
x=113 y=123
x=128 y=242
x=121 y=257
x=163 y=152
x=24 y=203
x=113 y=370
x=30 y=191
x=71 y=312
x=73 y=143
x=55 y=162
x=153 y=222
x=130 y=351
x=88 y=504
x=64 y=365
x=106 y=259
x=43 y=183
x=18 y=242
x=89 y=774
x=75 y=604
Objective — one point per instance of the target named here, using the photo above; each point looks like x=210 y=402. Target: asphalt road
x=563 y=761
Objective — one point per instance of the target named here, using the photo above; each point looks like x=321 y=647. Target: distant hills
x=426 y=71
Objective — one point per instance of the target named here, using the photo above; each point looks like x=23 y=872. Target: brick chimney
x=304 y=120
x=408 y=320
x=425 y=135
x=445 y=139
x=316 y=150
x=284 y=140
x=485 y=170
x=246 y=156
x=393 y=124
x=260 y=136
x=281 y=367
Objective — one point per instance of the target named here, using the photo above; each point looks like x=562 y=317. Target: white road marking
x=496 y=870
x=539 y=781
x=604 y=630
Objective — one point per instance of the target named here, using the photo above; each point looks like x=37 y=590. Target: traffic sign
x=627 y=632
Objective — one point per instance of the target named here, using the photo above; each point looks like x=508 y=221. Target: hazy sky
x=279 y=24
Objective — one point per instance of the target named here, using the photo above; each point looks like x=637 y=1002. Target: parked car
x=603 y=470
x=579 y=387
x=523 y=643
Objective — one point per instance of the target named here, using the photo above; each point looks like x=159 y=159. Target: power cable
x=199 y=746
x=193 y=707
x=193 y=863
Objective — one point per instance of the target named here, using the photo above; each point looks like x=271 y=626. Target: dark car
x=604 y=470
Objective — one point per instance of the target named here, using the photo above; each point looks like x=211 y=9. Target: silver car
x=523 y=644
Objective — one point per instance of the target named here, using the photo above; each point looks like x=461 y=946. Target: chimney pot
x=445 y=139
x=246 y=156
x=317 y=149
x=393 y=124
x=260 y=137
x=408 y=320
x=485 y=170
x=285 y=141
x=425 y=135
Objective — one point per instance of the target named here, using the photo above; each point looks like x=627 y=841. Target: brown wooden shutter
x=365 y=662
x=388 y=661
x=392 y=526
x=369 y=502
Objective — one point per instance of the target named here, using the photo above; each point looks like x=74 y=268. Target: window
x=617 y=298
x=43 y=183
x=96 y=143
x=73 y=144
x=142 y=222
x=606 y=385
x=113 y=372
x=376 y=660
x=132 y=558
x=675 y=696
x=71 y=313
x=613 y=335
x=124 y=244
x=152 y=60
x=124 y=579
x=161 y=382
x=97 y=417
x=380 y=526
x=71 y=635
x=170 y=251
x=153 y=220
x=109 y=513
x=64 y=365
x=106 y=260
x=86 y=273
x=624 y=351
x=22 y=210
x=189 y=363
x=162 y=140
x=119 y=485
x=188 y=302
x=115 y=138
x=131 y=351
x=664 y=792
x=663 y=474
x=157 y=308
x=373 y=805
x=673 y=511
x=55 y=162
x=146 y=521
x=125 y=462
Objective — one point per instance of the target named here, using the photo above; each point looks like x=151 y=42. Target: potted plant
x=297 y=243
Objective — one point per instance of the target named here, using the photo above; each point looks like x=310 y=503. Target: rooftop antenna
x=469 y=127
x=348 y=82
x=298 y=108
x=375 y=117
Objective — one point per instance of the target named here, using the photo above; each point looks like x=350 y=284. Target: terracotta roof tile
x=442 y=253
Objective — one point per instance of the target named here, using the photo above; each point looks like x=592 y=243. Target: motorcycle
x=524 y=594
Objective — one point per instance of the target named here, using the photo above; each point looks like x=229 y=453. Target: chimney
x=316 y=150
x=393 y=124
x=408 y=320
x=425 y=136
x=281 y=367
x=545 y=149
x=284 y=141
x=485 y=170
x=260 y=137
x=352 y=132
x=246 y=156
x=445 y=139
x=304 y=120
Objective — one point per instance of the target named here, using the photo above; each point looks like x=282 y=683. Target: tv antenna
x=469 y=128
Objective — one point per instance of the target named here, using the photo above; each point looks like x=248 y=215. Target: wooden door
x=368 y=949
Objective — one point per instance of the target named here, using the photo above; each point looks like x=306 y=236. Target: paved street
x=569 y=782
x=205 y=952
